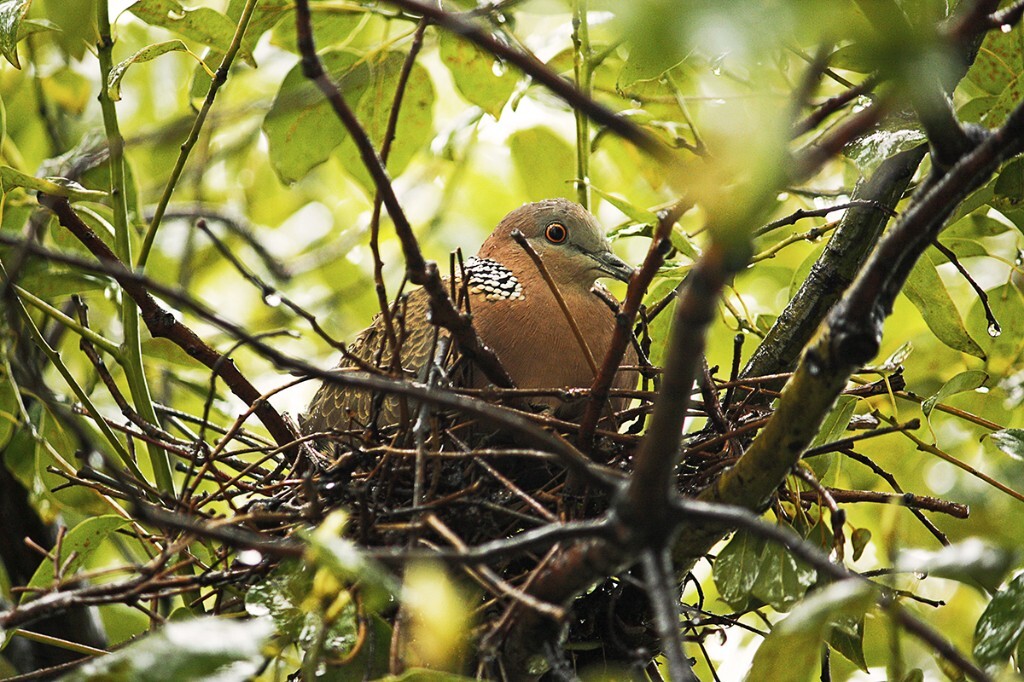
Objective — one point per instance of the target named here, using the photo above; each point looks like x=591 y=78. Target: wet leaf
x=1010 y=441
x=972 y=562
x=889 y=139
x=926 y=291
x=224 y=649
x=12 y=13
x=478 y=76
x=284 y=596
x=1000 y=626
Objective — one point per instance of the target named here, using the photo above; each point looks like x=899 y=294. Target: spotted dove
x=514 y=312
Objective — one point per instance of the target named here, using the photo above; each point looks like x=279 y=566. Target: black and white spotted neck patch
x=493 y=280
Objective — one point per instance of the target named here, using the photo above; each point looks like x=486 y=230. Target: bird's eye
x=556 y=233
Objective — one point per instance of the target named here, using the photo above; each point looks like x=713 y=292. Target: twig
x=520 y=239
x=638 y=285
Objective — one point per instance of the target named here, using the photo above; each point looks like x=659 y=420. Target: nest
x=443 y=482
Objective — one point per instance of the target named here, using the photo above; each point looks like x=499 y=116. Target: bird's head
x=565 y=236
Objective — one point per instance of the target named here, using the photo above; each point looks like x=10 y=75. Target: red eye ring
x=556 y=233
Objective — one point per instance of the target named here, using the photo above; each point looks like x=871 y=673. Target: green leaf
x=974 y=226
x=265 y=16
x=888 y=139
x=31 y=26
x=12 y=12
x=330 y=28
x=791 y=651
x=343 y=558
x=545 y=163
x=302 y=128
x=1010 y=441
x=855 y=57
x=69 y=89
x=284 y=596
x=859 y=539
x=1000 y=60
x=203 y=25
x=478 y=76
x=1003 y=349
x=972 y=562
x=644 y=64
x=835 y=424
x=146 y=54
x=926 y=291
x=976 y=109
x=414 y=128
x=1008 y=193
x=1000 y=626
x=737 y=566
x=58 y=187
x=964 y=381
x=228 y=650
x=847 y=637
x=782 y=580
x=48 y=281
x=966 y=248
x=77 y=23
x=634 y=213
x=79 y=542
x=10 y=410
x=832 y=429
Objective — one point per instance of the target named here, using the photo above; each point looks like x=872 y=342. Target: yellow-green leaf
x=479 y=77
x=146 y=54
x=58 y=187
x=12 y=12
x=926 y=291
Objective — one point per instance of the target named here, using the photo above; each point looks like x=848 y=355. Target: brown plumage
x=514 y=312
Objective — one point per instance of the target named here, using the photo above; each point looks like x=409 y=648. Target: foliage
x=754 y=156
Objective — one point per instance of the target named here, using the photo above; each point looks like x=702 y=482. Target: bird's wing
x=336 y=406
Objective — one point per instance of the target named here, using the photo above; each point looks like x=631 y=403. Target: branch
x=162 y=324
x=537 y=70
x=420 y=271
x=641 y=280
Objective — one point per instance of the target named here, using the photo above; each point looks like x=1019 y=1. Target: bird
x=514 y=312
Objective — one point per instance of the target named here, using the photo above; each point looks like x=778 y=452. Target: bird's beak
x=613 y=266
